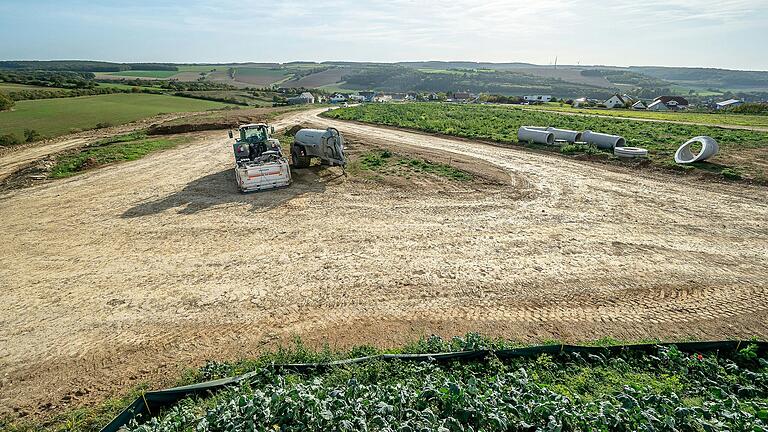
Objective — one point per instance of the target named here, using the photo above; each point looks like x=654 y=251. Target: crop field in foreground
x=690 y=117
x=623 y=391
x=54 y=117
x=500 y=124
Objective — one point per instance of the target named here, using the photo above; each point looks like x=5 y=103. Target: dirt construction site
x=135 y=271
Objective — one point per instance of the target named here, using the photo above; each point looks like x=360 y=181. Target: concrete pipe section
x=565 y=135
x=529 y=134
x=630 y=152
x=709 y=148
x=603 y=141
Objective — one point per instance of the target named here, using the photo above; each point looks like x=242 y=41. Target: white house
x=615 y=101
x=538 y=98
x=338 y=98
x=304 y=98
x=357 y=98
x=730 y=103
x=657 y=106
x=639 y=105
x=579 y=102
x=673 y=102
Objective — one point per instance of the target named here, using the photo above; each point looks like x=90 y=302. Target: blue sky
x=709 y=33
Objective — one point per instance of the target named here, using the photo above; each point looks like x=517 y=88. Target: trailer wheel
x=298 y=161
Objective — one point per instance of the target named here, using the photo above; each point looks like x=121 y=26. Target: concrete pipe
x=566 y=135
x=603 y=141
x=630 y=152
x=709 y=148
x=525 y=134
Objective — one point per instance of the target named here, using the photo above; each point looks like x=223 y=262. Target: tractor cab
x=254 y=141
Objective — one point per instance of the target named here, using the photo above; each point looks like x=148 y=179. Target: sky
x=729 y=34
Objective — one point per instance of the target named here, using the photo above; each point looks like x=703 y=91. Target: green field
x=11 y=87
x=119 y=86
x=54 y=117
x=500 y=123
x=259 y=75
x=688 y=117
x=200 y=68
x=145 y=74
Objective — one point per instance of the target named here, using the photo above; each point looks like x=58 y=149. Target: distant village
x=617 y=101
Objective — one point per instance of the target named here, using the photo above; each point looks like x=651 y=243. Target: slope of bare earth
x=137 y=270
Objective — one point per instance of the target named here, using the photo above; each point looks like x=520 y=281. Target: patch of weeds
x=384 y=161
x=442 y=170
x=580 y=148
x=133 y=136
x=374 y=160
x=731 y=174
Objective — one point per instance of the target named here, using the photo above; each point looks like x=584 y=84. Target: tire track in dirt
x=135 y=271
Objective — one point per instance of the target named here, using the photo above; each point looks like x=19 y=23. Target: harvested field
x=259 y=77
x=132 y=272
x=326 y=77
x=569 y=75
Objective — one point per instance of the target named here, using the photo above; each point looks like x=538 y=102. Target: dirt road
x=134 y=271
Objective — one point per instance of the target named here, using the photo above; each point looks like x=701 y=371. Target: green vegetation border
x=153 y=401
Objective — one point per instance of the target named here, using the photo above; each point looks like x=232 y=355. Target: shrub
x=751 y=108
x=31 y=135
x=6 y=102
x=9 y=139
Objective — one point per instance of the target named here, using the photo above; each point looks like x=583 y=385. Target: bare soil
x=133 y=272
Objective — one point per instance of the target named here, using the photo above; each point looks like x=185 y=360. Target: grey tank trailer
x=326 y=145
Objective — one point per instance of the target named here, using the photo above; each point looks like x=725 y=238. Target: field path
x=135 y=271
x=723 y=126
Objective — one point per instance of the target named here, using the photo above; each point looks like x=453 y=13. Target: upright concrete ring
x=709 y=148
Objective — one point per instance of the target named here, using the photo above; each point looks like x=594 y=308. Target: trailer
x=326 y=145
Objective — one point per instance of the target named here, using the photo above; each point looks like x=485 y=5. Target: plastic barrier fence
x=152 y=402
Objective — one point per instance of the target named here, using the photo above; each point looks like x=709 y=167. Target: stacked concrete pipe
x=603 y=141
x=566 y=135
x=536 y=135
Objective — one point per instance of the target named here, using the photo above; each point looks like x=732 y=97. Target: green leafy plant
x=627 y=390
